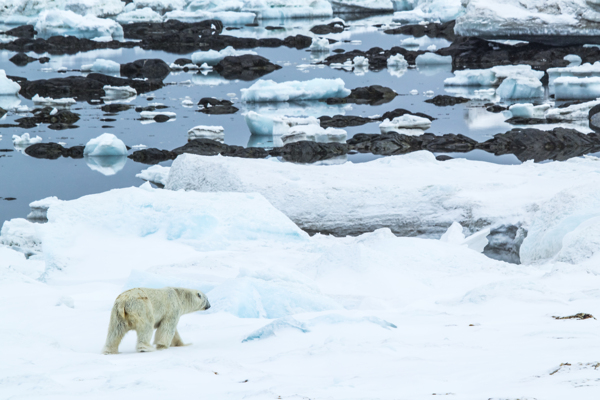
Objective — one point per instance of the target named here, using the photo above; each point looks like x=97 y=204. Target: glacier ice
x=106 y=144
x=275 y=125
x=103 y=66
x=406 y=121
x=25 y=140
x=213 y=57
x=428 y=10
x=7 y=86
x=580 y=71
x=528 y=110
x=21 y=235
x=39 y=208
x=58 y=23
x=520 y=88
x=472 y=77
x=320 y=44
x=118 y=92
x=476 y=241
x=314 y=133
x=315 y=89
x=155 y=174
x=574 y=88
x=49 y=101
x=432 y=59
x=207 y=132
x=277 y=325
x=573 y=112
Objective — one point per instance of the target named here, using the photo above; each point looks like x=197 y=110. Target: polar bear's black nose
x=207 y=306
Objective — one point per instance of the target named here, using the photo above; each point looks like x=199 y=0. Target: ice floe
x=315 y=89
x=106 y=144
x=574 y=88
x=24 y=141
x=66 y=102
x=213 y=57
x=432 y=59
x=7 y=86
x=58 y=23
x=207 y=132
x=406 y=121
x=155 y=174
x=103 y=66
x=118 y=92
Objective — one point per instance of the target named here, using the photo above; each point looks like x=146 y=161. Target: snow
x=118 y=92
x=39 y=208
x=580 y=71
x=314 y=133
x=429 y=10
x=152 y=114
x=213 y=57
x=103 y=66
x=49 y=101
x=455 y=235
x=432 y=59
x=155 y=174
x=207 y=132
x=397 y=62
x=106 y=144
x=21 y=235
x=145 y=14
x=315 y=89
x=407 y=121
x=573 y=88
x=573 y=112
x=7 y=86
x=59 y=22
x=25 y=140
x=528 y=110
x=320 y=44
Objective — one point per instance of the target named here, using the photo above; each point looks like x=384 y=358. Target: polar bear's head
x=193 y=300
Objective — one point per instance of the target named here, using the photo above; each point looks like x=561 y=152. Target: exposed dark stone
x=59 y=126
x=245 y=152
x=444 y=157
x=504 y=243
x=394 y=143
x=339 y=50
x=8 y=198
x=218 y=107
x=443 y=100
x=372 y=95
x=306 y=152
x=115 y=108
x=183 y=61
x=432 y=30
x=246 y=67
x=145 y=30
x=275 y=28
x=533 y=144
x=594 y=117
x=342 y=121
x=377 y=56
x=43 y=116
x=62 y=45
x=2 y=112
x=161 y=118
x=333 y=27
x=23 y=31
x=495 y=108
x=470 y=52
x=151 y=108
x=152 y=156
x=398 y=112
x=44 y=60
x=19 y=79
x=52 y=151
x=21 y=59
x=202 y=147
x=83 y=88
x=528 y=121
x=147 y=68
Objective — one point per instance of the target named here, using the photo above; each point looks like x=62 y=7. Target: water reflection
x=265 y=141
x=106 y=165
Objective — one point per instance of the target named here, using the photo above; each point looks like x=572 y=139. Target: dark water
x=30 y=179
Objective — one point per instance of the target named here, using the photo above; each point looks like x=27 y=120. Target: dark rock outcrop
x=394 y=143
x=115 y=108
x=147 y=68
x=432 y=30
x=372 y=95
x=21 y=59
x=342 y=121
x=443 y=100
x=333 y=27
x=377 y=56
x=62 y=119
x=23 y=31
x=62 y=45
x=246 y=67
x=52 y=151
x=306 y=152
x=594 y=117
x=504 y=243
x=215 y=106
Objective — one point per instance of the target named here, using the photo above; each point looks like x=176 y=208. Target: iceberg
x=573 y=88
x=155 y=174
x=103 y=66
x=207 y=132
x=7 y=86
x=152 y=114
x=432 y=59
x=573 y=112
x=314 y=133
x=145 y=14
x=106 y=144
x=428 y=10
x=118 y=92
x=315 y=89
x=39 y=208
x=66 y=102
x=573 y=59
x=106 y=165
x=528 y=110
x=407 y=121
x=58 y=23
x=24 y=141
x=320 y=44
x=397 y=61
x=472 y=77
x=213 y=57
x=580 y=71
x=269 y=125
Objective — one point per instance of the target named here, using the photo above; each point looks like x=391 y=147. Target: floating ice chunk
x=520 y=88
x=152 y=114
x=432 y=48
x=528 y=110
x=360 y=61
x=155 y=174
x=64 y=22
x=118 y=92
x=581 y=71
x=106 y=165
x=187 y=103
x=39 y=208
x=21 y=235
x=145 y=279
x=432 y=59
x=315 y=89
x=411 y=43
x=320 y=44
x=407 y=121
x=227 y=17
x=455 y=235
x=277 y=325
x=145 y=14
x=212 y=57
x=472 y=77
x=573 y=112
x=397 y=61
x=516 y=72
x=103 y=66
x=24 y=141
x=428 y=10
x=572 y=88
x=7 y=86
x=106 y=144
x=177 y=67
x=269 y=125
x=207 y=132
x=314 y=133
x=414 y=92
x=50 y=102
x=574 y=60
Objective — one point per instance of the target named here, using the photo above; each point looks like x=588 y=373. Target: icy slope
x=413 y=194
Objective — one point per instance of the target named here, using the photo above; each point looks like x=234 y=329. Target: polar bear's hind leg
x=165 y=333
x=117 y=328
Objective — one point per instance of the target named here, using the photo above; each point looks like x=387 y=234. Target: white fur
x=144 y=310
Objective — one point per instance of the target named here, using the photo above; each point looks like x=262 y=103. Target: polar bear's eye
x=199 y=295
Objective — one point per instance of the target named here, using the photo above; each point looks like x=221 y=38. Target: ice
x=314 y=133
x=521 y=80
x=48 y=101
x=213 y=57
x=407 y=121
x=573 y=88
x=160 y=6
x=145 y=14
x=315 y=89
x=472 y=77
x=286 y=9
x=269 y=125
x=39 y=208
x=155 y=174
x=7 y=86
x=106 y=165
x=106 y=144
x=21 y=235
x=146 y=279
x=397 y=62
x=275 y=326
x=152 y=114
x=227 y=17
x=520 y=88
x=410 y=43
x=207 y=132
x=118 y=92
x=24 y=141
x=320 y=44
x=57 y=22
x=432 y=59
x=103 y=66
x=533 y=17
x=580 y=71
x=528 y=110
x=573 y=112
x=573 y=59
x=429 y=10
x=455 y=235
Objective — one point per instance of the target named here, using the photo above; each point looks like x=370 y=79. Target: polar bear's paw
x=106 y=350
x=143 y=348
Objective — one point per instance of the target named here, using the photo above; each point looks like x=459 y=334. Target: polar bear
x=144 y=310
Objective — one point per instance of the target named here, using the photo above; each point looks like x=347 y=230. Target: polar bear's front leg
x=165 y=333
x=177 y=341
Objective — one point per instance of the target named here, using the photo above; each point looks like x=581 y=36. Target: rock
x=62 y=45
x=377 y=56
x=342 y=121
x=275 y=28
x=495 y=108
x=533 y=144
x=217 y=107
x=594 y=117
x=152 y=156
x=247 y=152
x=398 y=112
x=183 y=61
x=333 y=27
x=115 y=108
x=147 y=68
x=52 y=151
x=151 y=108
x=23 y=31
x=58 y=126
x=246 y=67
x=201 y=147
x=528 y=121
x=44 y=60
x=306 y=152
x=2 y=112
x=432 y=30
x=21 y=59
x=145 y=30
x=394 y=143
x=43 y=116
x=161 y=118
x=444 y=157
x=443 y=100
x=372 y=95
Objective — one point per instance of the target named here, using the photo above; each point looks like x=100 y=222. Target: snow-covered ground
x=293 y=316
